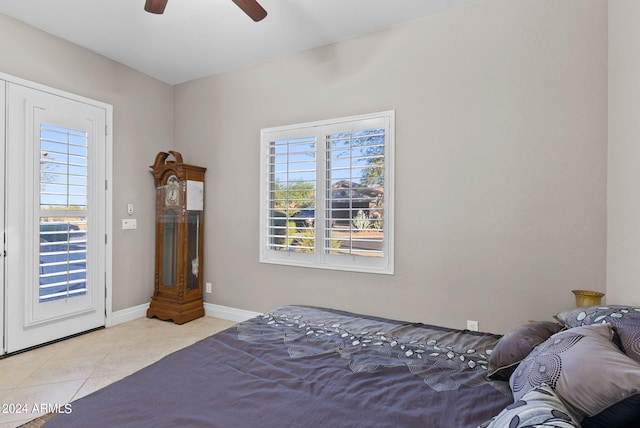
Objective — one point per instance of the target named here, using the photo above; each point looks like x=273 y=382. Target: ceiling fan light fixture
x=251 y=7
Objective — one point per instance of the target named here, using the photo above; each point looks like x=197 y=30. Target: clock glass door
x=193 y=244
x=169 y=249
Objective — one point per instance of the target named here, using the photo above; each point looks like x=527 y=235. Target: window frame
x=321 y=130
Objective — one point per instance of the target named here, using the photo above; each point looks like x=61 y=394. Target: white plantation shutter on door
x=63 y=208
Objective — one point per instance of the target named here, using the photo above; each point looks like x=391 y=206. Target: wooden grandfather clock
x=179 y=231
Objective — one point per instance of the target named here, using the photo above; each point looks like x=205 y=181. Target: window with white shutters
x=327 y=194
x=63 y=209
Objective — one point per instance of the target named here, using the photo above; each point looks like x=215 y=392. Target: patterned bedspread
x=302 y=366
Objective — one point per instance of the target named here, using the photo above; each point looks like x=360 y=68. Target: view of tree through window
x=326 y=192
x=355 y=193
x=293 y=188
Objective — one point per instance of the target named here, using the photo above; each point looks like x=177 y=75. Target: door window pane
x=63 y=257
x=63 y=168
x=63 y=196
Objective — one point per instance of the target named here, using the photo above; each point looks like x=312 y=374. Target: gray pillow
x=583 y=366
x=540 y=407
x=624 y=319
x=514 y=346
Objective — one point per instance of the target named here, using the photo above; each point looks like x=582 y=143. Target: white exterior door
x=56 y=215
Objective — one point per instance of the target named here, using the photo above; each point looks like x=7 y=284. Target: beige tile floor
x=65 y=371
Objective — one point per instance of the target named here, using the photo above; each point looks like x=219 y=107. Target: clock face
x=171 y=196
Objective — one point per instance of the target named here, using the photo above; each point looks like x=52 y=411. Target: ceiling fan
x=250 y=7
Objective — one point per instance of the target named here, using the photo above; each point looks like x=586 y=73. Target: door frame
x=5 y=79
x=3 y=303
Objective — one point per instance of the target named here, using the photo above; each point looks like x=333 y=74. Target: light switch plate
x=129 y=223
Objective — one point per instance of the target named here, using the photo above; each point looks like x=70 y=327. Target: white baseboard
x=228 y=313
x=210 y=310
x=129 y=314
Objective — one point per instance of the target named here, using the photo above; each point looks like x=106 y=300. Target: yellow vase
x=587 y=298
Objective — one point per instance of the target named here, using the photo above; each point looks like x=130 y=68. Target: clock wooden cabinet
x=179 y=232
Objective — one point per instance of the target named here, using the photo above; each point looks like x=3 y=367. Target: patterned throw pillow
x=540 y=407
x=583 y=366
x=514 y=346
x=624 y=319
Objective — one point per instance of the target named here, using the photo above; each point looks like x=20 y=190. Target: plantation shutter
x=327 y=194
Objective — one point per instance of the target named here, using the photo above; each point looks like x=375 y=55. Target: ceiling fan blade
x=155 y=6
x=251 y=8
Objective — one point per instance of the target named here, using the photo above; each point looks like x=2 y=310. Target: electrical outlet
x=472 y=325
x=208 y=287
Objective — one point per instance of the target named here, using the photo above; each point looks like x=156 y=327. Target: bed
x=301 y=366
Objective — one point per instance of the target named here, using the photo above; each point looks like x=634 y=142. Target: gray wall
x=143 y=125
x=501 y=156
x=623 y=266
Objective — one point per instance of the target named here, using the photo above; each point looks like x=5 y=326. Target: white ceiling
x=197 y=38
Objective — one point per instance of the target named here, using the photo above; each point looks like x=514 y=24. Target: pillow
x=624 y=319
x=583 y=366
x=514 y=346
x=539 y=407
